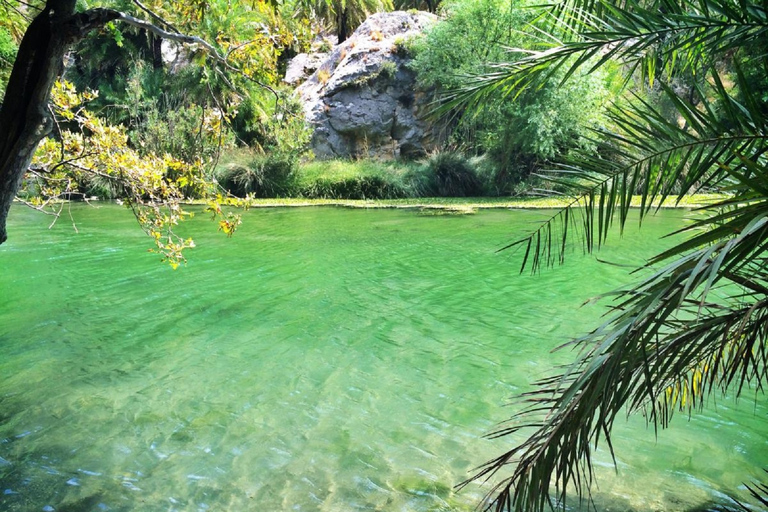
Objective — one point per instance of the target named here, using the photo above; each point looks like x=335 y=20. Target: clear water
x=322 y=360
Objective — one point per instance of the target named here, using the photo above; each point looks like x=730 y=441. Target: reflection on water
x=323 y=359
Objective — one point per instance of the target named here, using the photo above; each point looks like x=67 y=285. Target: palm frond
x=662 y=160
x=684 y=332
x=698 y=324
x=688 y=35
x=760 y=492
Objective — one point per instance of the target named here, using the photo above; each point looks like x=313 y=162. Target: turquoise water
x=322 y=360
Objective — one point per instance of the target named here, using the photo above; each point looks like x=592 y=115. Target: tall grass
x=247 y=173
x=445 y=174
x=364 y=179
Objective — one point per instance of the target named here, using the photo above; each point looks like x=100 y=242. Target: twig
x=156 y=17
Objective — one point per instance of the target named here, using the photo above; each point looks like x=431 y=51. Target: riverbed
x=323 y=359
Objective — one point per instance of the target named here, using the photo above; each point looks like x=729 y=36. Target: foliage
x=182 y=107
x=423 y=5
x=341 y=16
x=366 y=179
x=405 y=46
x=448 y=174
x=271 y=175
x=14 y=19
x=165 y=120
x=388 y=69
x=697 y=324
x=519 y=132
x=151 y=185
x=358 y=187
x=272 y=124
x=469 y=39
x=7 y=56
x=251 y=34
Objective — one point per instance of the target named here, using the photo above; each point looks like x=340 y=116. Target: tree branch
x=155 y=16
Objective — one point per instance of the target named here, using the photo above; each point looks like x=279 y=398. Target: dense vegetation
x=235 y=125
x=239 y=127
x=608 y=99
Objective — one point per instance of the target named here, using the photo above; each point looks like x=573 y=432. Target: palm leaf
x=686 y=35
x=698 y=324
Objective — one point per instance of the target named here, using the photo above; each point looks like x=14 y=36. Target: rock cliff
x=362 y=99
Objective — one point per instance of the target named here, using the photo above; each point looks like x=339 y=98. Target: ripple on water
x=322 y=360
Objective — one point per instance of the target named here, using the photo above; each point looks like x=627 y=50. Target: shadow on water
x=85 y=504
x=618 y=504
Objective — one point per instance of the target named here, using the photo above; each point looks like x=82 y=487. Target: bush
x=452 y=176
x=365 y=179
x=262 y=176
x=388 y=69
x=273 y=125
x=404 y=47
x=518 y=132
x=494 y=181
x=93 y=185
x=358 y=187
x=188 y=132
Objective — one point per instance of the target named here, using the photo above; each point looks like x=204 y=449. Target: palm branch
x=698 y=324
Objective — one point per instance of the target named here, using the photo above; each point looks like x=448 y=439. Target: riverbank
x=465 y=204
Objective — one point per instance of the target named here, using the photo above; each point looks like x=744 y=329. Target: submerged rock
x=362 y=100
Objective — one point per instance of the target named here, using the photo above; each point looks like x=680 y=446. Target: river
x=323 y=359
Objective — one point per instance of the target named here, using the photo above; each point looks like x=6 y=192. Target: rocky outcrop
x=302 y=66
x=363 y=101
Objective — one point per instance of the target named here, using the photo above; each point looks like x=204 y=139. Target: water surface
x=322 y=360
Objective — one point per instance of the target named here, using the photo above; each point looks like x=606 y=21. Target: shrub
x=453 y=175
x=446 y=174
x=494 y=181
x=262 y=176
x=340 y=179
x=187 y=132
x=518 y=132
x=324 y=46
x=93 y=185
x=323 y=75
x=7 y=56
x=404 y=47
x=272 y=125
x=358 y=187
x=388 y=69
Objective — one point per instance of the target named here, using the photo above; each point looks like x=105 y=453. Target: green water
x=322 y=360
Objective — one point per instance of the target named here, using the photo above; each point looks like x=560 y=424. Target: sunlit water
x=322 y=360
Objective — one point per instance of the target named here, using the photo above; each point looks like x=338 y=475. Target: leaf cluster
x=86 y=148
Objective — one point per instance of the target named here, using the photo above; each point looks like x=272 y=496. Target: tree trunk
x=24 y=119
x=156 y=44
x=342 y=26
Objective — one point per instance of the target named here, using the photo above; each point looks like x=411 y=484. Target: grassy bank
x=461 y=203
x=445 y=181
